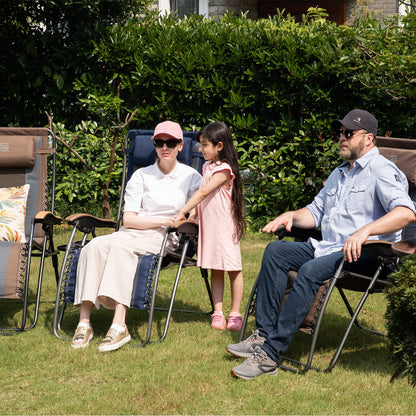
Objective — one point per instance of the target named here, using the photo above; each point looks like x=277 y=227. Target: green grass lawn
x=189 y=373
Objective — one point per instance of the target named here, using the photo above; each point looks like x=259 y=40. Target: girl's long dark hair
x=219 y=132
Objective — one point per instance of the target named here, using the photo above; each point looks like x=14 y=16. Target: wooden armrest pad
x=185 y=226
x=82 y=219
x=47 y=217
x=404 y=247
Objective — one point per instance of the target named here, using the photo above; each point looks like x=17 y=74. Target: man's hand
x=352 y=246
x=285 y=220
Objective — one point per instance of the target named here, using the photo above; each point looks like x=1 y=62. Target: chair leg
x=250 y=307
x=154 y=291
x=58 y=314
x=204 y=274
x=170 y=309
x=39 y=288
x=306 y=366
x=175 y=287
x=351 y=312
x=354 y=318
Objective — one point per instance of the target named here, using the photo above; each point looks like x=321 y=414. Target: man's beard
x=352 y=153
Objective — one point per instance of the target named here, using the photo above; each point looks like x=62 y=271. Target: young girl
x=221 y=220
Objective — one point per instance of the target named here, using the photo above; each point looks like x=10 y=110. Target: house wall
x=381 y=8
x=218 y=8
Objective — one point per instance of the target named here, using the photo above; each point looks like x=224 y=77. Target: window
x=184 y=7
x=406 y=7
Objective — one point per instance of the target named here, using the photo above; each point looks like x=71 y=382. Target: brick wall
x=381 y=8
x=217 y=8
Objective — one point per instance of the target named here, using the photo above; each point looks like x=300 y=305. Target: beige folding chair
x=27 y=198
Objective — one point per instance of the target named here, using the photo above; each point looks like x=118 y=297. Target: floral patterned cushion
x=12 y=213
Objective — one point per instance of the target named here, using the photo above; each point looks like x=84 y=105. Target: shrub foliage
x=401 y=318
x=277 y=83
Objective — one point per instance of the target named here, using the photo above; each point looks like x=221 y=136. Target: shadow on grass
x=11 y=311
x=136 y=320
x=363 y=351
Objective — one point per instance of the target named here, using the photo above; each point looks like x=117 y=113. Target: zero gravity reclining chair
x=138 y=152
x=403 y=153
x=26 y=225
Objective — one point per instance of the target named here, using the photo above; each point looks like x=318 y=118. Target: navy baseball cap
x=356 y=120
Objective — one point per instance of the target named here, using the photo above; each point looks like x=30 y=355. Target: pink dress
x=218 y=247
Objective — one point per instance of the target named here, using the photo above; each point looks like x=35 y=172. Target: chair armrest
x=299 y=234
x=189 y=227
x=47 y=217
x=87 y=220
x=404 y=247
x=378 y=248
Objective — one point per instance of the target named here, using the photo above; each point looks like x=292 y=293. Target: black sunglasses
x=170 y=143
x=347 y=133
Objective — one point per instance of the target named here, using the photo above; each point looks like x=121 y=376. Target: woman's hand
x=171 y=221
x=139 y=222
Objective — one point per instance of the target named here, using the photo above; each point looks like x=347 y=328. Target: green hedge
x=401 y=318
x=277 y=83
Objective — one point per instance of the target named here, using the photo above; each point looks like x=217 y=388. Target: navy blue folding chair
x=139 y=152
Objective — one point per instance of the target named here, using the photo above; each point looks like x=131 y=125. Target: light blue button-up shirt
x=353 y=198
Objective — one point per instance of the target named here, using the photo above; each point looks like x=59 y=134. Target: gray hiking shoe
x=258 y=364
x=245 y=348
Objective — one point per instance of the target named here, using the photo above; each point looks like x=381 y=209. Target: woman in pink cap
x=107 y=264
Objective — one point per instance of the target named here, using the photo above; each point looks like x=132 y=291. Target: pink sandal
x=235 y=322
x=218 y=320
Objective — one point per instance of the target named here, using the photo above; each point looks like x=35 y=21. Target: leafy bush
x=277 y=83
x=84 y=164
x=401 y=316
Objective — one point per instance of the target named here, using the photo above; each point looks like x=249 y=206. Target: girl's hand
x=180 y=217
x=193 y=218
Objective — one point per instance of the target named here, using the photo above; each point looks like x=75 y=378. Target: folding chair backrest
x=141 y=151
x=23 y=160
x=403 y=153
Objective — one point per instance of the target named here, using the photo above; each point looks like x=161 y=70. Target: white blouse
x=150 y=192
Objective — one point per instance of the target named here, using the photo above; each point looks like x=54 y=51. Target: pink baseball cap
x=169 y=128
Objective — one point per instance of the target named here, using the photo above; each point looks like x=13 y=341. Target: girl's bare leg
x=237 y=287
x=217 y=289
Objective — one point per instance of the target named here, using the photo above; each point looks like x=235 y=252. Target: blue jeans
x=280 y=326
